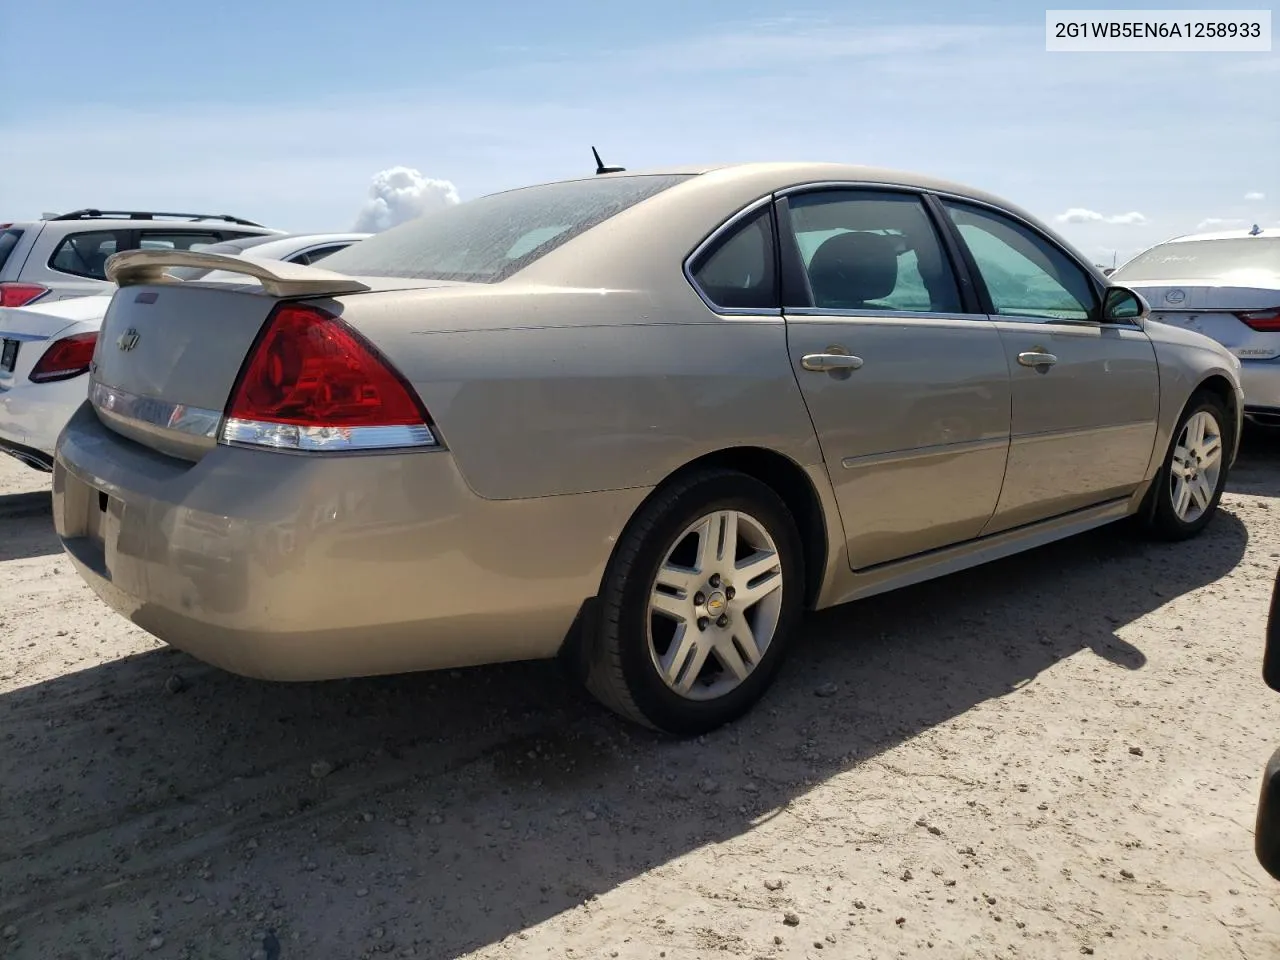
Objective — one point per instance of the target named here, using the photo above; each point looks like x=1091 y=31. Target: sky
x=290 y=113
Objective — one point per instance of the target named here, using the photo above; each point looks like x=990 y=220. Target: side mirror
x=1122 y=305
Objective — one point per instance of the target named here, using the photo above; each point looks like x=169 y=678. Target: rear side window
x=739 y=272
x=320 y=253
x=85 y=254
x=8 y=240
x=489 y=239
x=865 y=250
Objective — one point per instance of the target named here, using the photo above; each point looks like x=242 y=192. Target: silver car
x=642 y=421
x=1225 y=285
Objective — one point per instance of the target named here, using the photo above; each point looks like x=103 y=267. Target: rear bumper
x=1267 y=833
x=1261 y=382
x=304 y=567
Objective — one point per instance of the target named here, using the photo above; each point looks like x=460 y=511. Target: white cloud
x=399 y=194
x=1083 y=215
x=1080 y=215
x=1220 y=223
x=1132 y=218
x=1255 y=195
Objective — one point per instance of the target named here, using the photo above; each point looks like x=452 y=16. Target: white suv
x=65 y=255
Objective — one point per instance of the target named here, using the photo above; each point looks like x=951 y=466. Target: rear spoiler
x=278 y=278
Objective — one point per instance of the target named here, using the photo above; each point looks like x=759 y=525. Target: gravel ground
x=1055 y=755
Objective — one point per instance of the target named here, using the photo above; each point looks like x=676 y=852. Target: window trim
x=795 y=286
x=725 y=232
x=1099 y=286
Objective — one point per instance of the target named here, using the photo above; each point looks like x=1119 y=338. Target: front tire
x=700 y=601
x=1189 y=486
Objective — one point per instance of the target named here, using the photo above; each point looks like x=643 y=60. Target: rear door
x=1086 y=395
x=908 y=393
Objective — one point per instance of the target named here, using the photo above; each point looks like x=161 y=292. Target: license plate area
x=8 y=355
x=89 y=522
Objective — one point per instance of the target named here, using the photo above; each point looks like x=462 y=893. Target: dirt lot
x=1053 y=756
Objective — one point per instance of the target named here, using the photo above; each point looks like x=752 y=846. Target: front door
x=1086 y=394
x=909 y=395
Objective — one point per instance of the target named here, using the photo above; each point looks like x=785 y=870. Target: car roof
x=782 y=174
x=1269 y=233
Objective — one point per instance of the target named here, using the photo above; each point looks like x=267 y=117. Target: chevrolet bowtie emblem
x=128 y=340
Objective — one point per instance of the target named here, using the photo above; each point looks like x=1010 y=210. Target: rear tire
x=1185 y=493
x=691 y=633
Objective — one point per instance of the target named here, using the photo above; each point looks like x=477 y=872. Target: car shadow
x=26 y=526
x=1257 y=469
x=451 y=811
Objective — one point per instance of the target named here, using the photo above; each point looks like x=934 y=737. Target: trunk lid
x=1211 y=309
x=170 y=352
x=26 y=332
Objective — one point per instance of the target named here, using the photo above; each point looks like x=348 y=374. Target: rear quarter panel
x=556 y=391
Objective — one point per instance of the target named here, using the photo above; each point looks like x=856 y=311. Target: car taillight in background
x=313 y=383
x=1264 y=321
x=20 y=294
x=65 y=358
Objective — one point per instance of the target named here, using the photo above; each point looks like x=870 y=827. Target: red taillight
x=313 y=383
x=20 y=294
x=66 y=358
x=1264 y=321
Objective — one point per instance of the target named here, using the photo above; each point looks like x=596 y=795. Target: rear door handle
x=1037 y=358
x=827 y=362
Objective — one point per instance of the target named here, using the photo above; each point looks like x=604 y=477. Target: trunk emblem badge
x=128 y=340
x=1175 y=296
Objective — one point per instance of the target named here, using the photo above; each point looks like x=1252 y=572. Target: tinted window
x=233 y=247
x=739 y=272
x=1025 y=275
x=1204 y=260
x=85 y=254
x=175 y=240
x=8 y=240
x=872 y=251
x=318 y=254
x=489 y=239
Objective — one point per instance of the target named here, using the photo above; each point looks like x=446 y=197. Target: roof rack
x=90 y=213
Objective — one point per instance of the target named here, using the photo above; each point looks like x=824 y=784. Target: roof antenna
x=1255 y=231
x=601 y=168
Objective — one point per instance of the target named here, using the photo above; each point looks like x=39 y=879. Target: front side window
x=85 y=254
x=866 y=250
x=1025 y=275
x=739 y=272
x=489 y=239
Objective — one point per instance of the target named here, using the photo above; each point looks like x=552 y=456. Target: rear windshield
x=1204 y=260
x=488 y=239
x=238 y=245
x=8 y=240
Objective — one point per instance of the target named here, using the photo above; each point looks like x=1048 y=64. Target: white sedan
x=45 y=351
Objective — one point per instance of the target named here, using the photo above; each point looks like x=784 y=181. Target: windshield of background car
x=8 y=240
x=233 y=247
x=488 y=239
x=1205 y=260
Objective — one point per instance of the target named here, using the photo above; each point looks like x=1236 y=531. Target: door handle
x=1037 y=358
x=827 y=362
